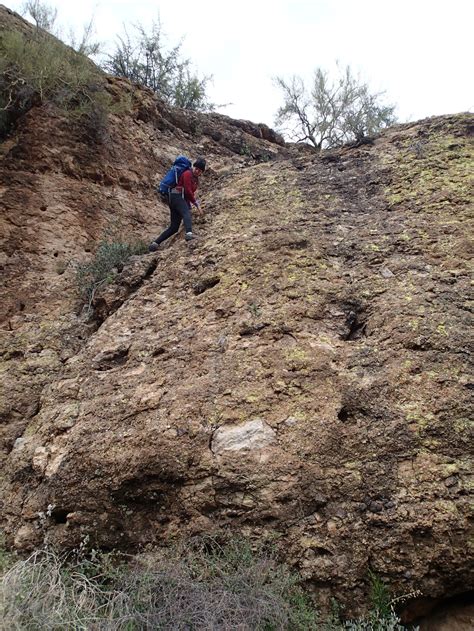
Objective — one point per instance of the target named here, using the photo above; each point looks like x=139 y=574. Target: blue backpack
x=170 y=180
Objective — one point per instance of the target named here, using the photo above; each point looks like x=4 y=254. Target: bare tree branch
x=331 y=113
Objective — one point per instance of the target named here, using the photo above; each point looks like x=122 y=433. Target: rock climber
x=180 y=199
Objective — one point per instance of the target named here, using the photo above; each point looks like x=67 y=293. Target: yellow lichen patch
x=421 y=175
x=441 y=329
x=297 y=359
x=463 y=426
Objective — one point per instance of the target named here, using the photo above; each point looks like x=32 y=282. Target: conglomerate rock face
x=62 y=190
x=298 y=373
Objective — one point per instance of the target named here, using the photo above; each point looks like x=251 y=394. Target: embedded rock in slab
x=252 y=435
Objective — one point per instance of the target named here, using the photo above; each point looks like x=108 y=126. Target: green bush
x=379 y=595
x=39 y=69
x=108 y=261
x=144 y=58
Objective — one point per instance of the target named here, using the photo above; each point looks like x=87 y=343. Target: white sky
x=420 y=52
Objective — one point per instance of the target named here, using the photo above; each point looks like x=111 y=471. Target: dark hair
x=200 y=164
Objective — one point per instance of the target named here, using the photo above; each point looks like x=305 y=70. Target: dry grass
x=205 y=586
x=220 y=588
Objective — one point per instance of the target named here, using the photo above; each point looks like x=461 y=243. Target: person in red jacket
x=180 y=200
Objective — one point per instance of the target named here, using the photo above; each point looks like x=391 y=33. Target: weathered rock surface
x=298 y=373
x=61 y=192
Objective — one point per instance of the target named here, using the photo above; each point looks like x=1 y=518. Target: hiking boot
x=189 y=236
x=153 y=247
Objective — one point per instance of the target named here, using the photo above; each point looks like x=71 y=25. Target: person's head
x=199 y=166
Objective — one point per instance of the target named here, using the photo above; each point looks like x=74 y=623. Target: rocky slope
x=62 y=192
x=299 y=373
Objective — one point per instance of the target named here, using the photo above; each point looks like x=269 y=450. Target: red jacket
x=189 y=183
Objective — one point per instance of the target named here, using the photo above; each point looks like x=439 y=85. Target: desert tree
x=331 y=112
x=144 y=58
x=43 y=15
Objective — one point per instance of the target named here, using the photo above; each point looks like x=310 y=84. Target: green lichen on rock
x=434 y=171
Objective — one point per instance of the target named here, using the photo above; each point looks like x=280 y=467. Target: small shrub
x=376 y=622
x=382 y=616
x=379 y=595
x=254 y=310
x=245 y=150
x=108 y=261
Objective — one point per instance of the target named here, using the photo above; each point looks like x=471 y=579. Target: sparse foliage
x=39 y=69
x=85 y=44
x=43 y=14
x=145 y=59
x=45 y=18
x=331 y=113
x=203 y=587
x=108 y=261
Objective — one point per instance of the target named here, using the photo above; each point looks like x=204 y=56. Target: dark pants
x=179 y=211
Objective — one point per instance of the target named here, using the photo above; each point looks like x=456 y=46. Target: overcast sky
x=418 y=51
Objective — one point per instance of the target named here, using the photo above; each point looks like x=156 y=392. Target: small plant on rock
x=108 y=261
